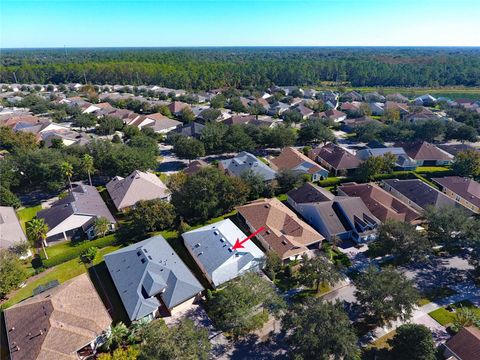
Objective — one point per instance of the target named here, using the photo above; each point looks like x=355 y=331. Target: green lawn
x=27 y=214
x=282 y=197
x=62 y=273
x=427 y=169
x=445 y=317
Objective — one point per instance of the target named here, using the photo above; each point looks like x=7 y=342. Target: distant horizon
x=238 y=23
x=251 y=46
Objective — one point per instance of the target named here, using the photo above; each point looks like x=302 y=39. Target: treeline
x=245 y=67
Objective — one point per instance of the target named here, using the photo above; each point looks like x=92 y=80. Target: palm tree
x=87 y=162
x=67 y=171
x=102 y=225
x=37 y=231
x=117 y=335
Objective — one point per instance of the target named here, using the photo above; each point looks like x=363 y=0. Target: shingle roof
x=139 y=185
x=11 y=232
x=211 y=246
x=337 y=157
x=454 y=149
x=191 y=129
x=381 y=203
x=467 y=188
x=83 y=199
x=309 y=193
x=424 y=151
x=56 y=323
x=147 y=270
x=420 y=193
x=244 y=162
x=194 y=167
x=290 y=158
x=284 y=231
x=466 y=344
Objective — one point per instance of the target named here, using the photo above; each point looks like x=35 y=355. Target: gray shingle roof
x=420 y=193
x=246 y=161
x=148 y=269
x=137 y=186
x=83 y=199
x=10 y=230
x=211 y=247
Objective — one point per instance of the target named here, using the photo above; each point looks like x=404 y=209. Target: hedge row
x=334 y=181
x=75 y=251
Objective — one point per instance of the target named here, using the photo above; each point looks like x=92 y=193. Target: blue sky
x=92 y=23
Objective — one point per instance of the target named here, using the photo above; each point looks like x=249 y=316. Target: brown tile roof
x=284 y=231
x=56 y=323
x=392 y=105
x=290 y=158
x=422 y=150
x=466 y=344
x=337 y=157
x=467 y=188
x=381 y=203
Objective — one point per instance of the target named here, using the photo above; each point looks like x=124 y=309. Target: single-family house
x=401 y=107
x=68 y=321
x=151 y=279
x=139 y=185
x=373 y=97
x=383 y=205
x=351 y=108
x=332 y=114
x=159 y=123
x=284 y=232
x=397 y=97
x=245 y=162
x=425 y=100
x=344 y=217
x=278 y=108
x=176 y=107
x=464 y=190
x=211 y=247
x=74 y=216
x=11 y=232
x=194 y=167
x=352 y=96
x=292 y=159
x=377 y=108
x=335 y=158
x=193 y=129
x=350 y=125
x=417 y=193
x=465 y=345
x=304 y=111
x=426 y=154
x=403 y=162
x=454 y=149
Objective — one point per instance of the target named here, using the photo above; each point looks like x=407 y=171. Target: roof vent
x=222 y=240
x=215 y=233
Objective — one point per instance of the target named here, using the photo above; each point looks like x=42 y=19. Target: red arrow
x=239 y=244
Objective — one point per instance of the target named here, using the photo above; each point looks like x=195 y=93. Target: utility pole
x=15 y=77
x=85 y=77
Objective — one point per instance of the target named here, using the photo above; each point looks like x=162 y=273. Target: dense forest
x=207 y=68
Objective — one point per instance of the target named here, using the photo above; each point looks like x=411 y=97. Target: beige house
x=466 y=191
x=66 y=322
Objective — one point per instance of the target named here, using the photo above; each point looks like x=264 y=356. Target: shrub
x=87 y=255
x=75 y=251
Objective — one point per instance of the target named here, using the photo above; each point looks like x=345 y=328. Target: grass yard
x=62 y=273
x=382 y=342
x=27 y=214
x=427 y=169
x=282 y=197
x=445 y=317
